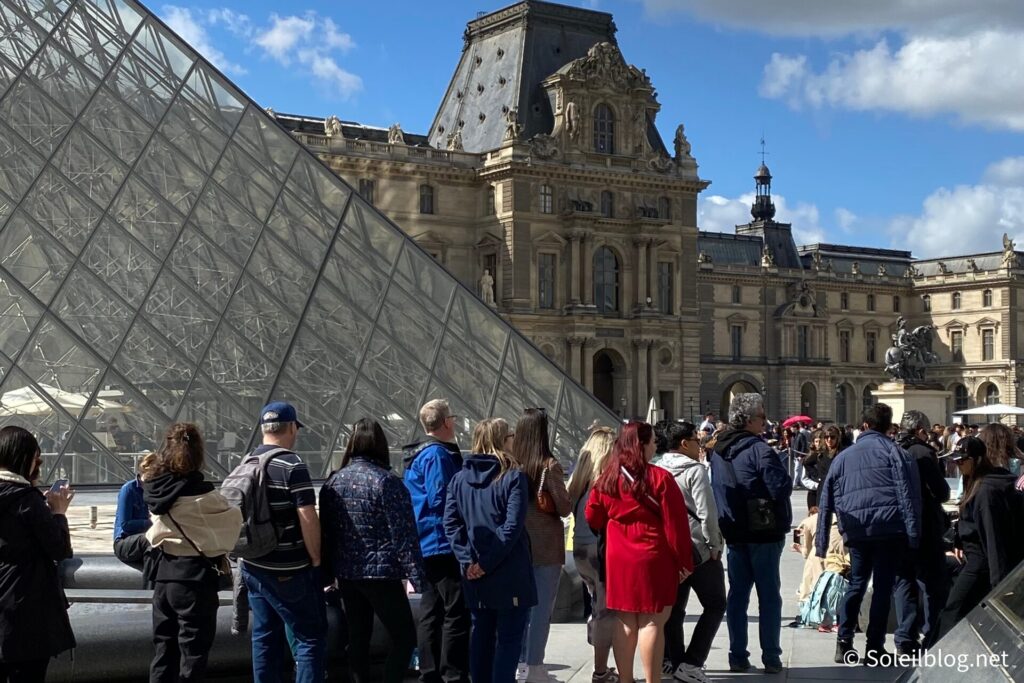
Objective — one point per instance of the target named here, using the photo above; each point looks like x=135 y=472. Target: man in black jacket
x=925 y=569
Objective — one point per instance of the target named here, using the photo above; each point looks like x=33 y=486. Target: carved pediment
x=737 y=319
x=955 y=324
x=550 y=239
x=986 y=322
x=431 y=237
x=489 y=240
x=845 y=324
x=604 y=65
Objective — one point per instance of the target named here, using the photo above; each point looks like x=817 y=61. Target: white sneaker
x=688 y=673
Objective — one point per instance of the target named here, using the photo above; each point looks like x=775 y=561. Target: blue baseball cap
x=279 y=411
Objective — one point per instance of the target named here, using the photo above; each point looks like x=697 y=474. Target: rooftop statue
x=910 y=353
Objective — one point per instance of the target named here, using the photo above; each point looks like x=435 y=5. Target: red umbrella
x=796 y=419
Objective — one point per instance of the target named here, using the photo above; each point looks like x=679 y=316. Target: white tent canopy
x=26 y=401
x=994 y=409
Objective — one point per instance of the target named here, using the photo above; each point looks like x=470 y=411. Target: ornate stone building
x=545 y=183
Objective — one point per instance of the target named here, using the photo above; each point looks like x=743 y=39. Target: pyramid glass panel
x=168 y=252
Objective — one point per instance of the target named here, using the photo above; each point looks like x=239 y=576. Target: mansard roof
x=728 y=249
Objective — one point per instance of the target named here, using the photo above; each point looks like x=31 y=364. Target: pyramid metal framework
x=168 y=252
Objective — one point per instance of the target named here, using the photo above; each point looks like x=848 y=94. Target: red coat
x=646 y=550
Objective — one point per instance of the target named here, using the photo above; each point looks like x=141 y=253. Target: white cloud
x=193 y=32
x=975 y=77
x=823 y=18
x=722 y=214
x=311 y=41
x=969 y=218
x=845 y=218
x=284 y=34
x=239 y=24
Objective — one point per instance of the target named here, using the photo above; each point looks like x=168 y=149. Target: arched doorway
x=809 y=400
x=609 y=379
x=988 y=394
x=741 y=387
x=844 y=404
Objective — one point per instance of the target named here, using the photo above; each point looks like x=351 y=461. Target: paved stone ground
x=807 y=654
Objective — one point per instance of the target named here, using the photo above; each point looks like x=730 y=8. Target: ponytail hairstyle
x=180 y=453
x=489 y=439
x=628 y=454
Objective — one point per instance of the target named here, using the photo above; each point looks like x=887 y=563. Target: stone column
x=573 y=365
x=575 y=253
x=641 y=271
x=652 y=273
x=587 y=349
x=587 y=259
x=640 y=373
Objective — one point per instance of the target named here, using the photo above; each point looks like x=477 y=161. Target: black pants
x=969 y=589
x=708 y=582
x=443 y=631
x=878 y=561
x=385 y=598
x=184 y=624
x=923 y=582
x=32 y=671
x=131 y=549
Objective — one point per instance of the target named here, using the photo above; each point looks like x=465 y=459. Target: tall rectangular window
x=666 y=304
x=956 y=344
x=844 y=346
x=366 y=188
x=736 y=341
x=667 y=401
x=490 y=201
x=426 y=199
x=547 y=199
x=844 y=301
x=546 y=280
x=988 y=344
x=803 y=342
x=871 y=339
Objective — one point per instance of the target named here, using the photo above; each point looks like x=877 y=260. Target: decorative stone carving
x=1010 y=259
x=512 y=126
x=660 y=163
x=767 y=257
x=882 y=271
x=911 y=271
x=572 y=120
x=605 y=66
x=395 y=135
x=454 y=141
x=544 y=146
x=943 y=268
x=972 y=266
x=682 y=145
x=332 y=126
x=855 y=268
x=487 y=287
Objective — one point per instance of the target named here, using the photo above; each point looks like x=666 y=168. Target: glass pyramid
x=167 y=252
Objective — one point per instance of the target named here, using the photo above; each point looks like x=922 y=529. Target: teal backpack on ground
x=822 y=606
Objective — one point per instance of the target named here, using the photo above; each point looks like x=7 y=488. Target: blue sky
x=889 y=123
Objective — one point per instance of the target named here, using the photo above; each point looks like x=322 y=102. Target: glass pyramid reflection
x=167 y=252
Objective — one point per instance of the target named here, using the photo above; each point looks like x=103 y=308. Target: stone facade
x=587 y=229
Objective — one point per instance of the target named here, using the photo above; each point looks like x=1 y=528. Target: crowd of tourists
x=659 y=512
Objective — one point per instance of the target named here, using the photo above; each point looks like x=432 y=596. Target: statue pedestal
x=903 y=397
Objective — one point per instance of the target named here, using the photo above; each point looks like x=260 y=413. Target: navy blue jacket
x=758 y=474
x=132 y=516
x=367 y=526
x=874 y=488
x=485 y=520
x=429 y=467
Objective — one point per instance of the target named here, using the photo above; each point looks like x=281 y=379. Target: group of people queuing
x=660 y=513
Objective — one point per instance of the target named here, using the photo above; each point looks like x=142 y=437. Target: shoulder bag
x=760 y=511
x=545 y=503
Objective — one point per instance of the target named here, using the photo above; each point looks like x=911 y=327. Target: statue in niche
x=683 y=148
x=1009 y=254
x=767 y=257
x=882 y=271
x=332 y=126
x=572 y=120
x=512 y=126
x=855 y=268
x=395 y=135
x=487 y=287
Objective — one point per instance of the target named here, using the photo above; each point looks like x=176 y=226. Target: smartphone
x=57 y=485
x=796 y=536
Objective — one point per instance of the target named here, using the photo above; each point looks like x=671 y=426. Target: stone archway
x=809 y=400
x=737 y=387
x=609 y=377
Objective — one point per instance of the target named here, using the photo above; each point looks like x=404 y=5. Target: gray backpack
x=246 y=489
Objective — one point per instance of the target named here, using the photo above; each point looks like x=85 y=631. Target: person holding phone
x=34 y=537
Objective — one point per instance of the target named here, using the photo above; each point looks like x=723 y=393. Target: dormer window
x=604 y=130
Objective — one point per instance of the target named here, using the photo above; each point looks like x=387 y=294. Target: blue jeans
x=878 y=561
x=540 y=616
x=755 y=565
x=495 y=643
x=291 y=603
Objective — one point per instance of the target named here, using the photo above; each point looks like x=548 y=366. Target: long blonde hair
x=489 y=439
x=591 y=461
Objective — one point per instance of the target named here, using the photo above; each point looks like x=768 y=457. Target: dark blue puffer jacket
x=485 y=520
x=367 y=525
x=874 y=489
x=744 y=468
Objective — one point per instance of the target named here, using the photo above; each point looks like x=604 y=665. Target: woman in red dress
x=641 y=512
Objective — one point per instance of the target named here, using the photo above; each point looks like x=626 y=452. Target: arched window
x=607 y=204
x=956 y=299
x=926 y=302
x=426 y=199
x=959 y=398
x=665 y=209
x=606 y=280
x=604 y=130
x=867 y=399
x=991 y=395
x=895 y=304
x=986 y=298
